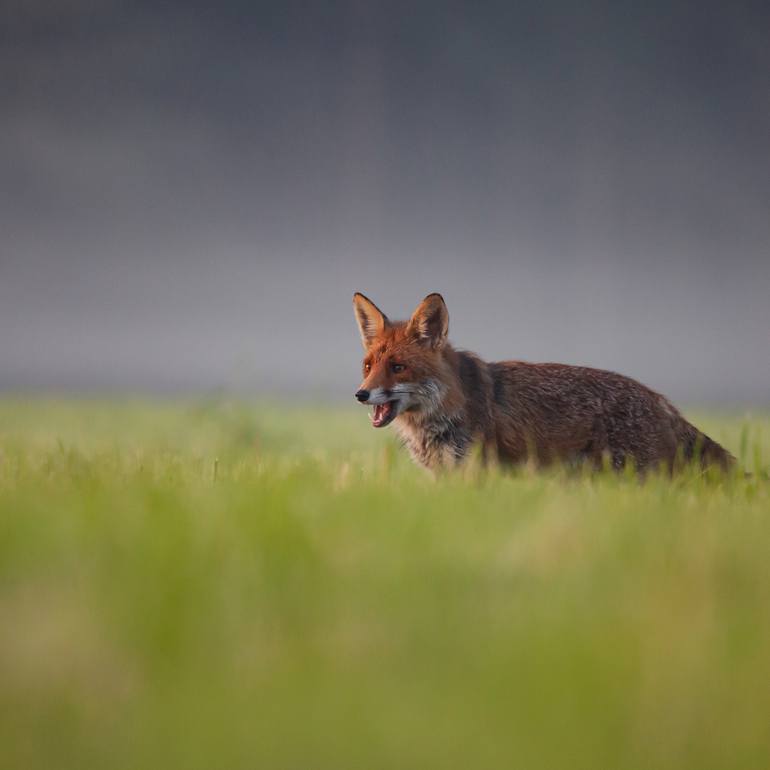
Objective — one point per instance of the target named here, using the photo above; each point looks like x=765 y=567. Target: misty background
x=191 y=192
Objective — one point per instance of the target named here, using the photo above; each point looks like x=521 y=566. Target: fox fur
x=444 y=401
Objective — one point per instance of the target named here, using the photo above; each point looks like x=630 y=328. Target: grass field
x=219 y=585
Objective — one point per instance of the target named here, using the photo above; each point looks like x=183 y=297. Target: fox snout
x=386 y=405
x=373 y=396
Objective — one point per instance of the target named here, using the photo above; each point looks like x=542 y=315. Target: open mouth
x=383 y=414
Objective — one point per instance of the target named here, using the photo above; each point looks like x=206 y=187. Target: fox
x=444 y=402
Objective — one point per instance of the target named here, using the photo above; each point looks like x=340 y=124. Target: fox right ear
x=430 y=322
x=371 y=320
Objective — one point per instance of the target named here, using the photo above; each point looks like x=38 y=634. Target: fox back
x=442 y=401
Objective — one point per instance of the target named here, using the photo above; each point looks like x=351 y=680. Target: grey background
x=191 y=192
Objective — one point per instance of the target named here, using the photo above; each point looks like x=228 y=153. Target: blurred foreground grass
x=219 y=585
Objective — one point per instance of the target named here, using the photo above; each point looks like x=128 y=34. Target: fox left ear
x=370 y=319
x=430 y=322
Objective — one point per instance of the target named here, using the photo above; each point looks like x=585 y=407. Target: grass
x=220 y=585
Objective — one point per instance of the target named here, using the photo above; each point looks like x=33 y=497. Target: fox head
x=404 y=367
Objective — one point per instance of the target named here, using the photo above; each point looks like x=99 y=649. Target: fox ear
x=430 y=322
x=371 y=320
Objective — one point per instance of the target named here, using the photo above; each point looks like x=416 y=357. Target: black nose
x=362 y=395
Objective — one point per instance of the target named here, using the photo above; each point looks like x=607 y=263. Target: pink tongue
x=381 y=412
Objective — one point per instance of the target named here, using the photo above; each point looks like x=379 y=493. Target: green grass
x=220 y=585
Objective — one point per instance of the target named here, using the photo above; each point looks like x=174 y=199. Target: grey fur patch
x=424 y=396
x=378 y=396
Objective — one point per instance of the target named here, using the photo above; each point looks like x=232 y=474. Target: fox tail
x=697 y=447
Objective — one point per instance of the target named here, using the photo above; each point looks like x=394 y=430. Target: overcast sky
x=191 y=192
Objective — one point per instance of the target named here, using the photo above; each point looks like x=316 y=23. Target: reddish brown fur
x=446 y=400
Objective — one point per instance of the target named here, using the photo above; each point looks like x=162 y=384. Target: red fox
x=444 y=401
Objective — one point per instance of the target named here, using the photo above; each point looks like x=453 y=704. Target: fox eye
x=367 y=368
x=397 y=368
